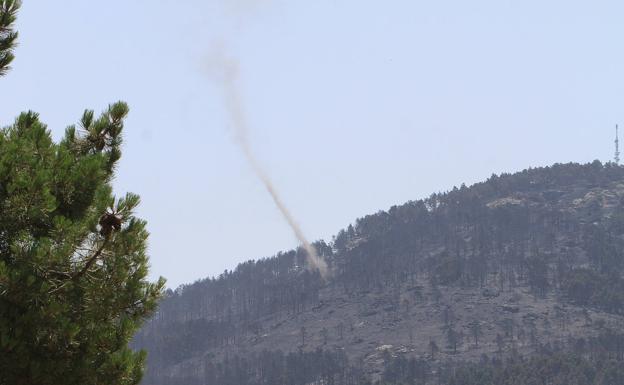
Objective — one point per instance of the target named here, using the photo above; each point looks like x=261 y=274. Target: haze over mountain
x=517 y=275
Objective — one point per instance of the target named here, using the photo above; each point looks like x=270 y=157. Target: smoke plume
x=225 y=71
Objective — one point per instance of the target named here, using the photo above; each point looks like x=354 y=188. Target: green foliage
x=8 y=37
x=73 y=288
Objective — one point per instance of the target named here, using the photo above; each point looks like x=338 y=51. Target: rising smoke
x=225 y=71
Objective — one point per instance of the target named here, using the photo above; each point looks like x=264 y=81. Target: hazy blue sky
x=354 y=105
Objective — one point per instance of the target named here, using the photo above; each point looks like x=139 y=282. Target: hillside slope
x=519 y=265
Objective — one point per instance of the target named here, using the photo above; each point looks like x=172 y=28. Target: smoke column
x=226 y=71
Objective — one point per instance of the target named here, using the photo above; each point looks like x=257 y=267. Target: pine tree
x=73 y=263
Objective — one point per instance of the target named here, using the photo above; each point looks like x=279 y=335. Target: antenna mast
x=617 y=145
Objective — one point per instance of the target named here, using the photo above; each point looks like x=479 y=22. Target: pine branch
x=91 y=260
x=8 y=37
x=84 y=271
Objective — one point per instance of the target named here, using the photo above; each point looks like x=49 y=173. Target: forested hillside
x=487 y=284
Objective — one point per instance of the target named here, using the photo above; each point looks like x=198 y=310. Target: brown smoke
x=225 y=71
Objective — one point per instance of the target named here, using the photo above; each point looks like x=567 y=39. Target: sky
x=352 y=106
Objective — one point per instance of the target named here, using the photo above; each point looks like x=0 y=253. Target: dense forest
x=551 y=235
x=581 y=361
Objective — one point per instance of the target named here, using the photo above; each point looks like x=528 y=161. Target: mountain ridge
x=477 y=271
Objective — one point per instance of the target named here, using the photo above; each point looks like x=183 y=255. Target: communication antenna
x=617 y=145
